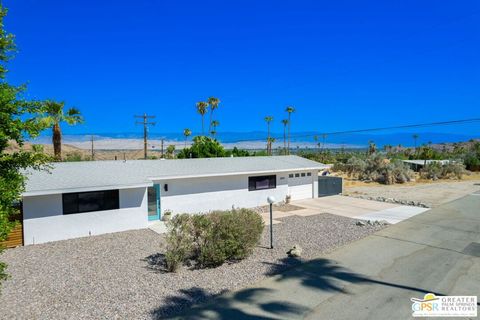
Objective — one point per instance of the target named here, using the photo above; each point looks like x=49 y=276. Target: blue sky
x=342 y=64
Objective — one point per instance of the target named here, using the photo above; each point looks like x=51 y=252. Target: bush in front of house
x=209 y=240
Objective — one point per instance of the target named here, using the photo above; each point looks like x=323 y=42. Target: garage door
x=300 y=187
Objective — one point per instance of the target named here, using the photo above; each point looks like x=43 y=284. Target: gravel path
x=433 y=194
x=110 y=276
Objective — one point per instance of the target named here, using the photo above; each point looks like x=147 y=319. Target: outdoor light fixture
x=271 y=201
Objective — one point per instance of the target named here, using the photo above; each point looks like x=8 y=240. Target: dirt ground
x=432 y=193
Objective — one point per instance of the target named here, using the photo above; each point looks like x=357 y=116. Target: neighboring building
x=76 y=199
x=417 y=165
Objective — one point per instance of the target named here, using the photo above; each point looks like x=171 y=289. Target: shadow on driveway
x=320 y=274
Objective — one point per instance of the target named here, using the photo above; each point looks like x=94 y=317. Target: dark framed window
x=309 y=174
x=303 y=174
x=79 y=202
x=262 y=183
x=297 y=175
x=290 y=175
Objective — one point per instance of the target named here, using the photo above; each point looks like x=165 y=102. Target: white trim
x=85 y=189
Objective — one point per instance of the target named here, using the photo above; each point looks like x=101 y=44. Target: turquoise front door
x=153 y=202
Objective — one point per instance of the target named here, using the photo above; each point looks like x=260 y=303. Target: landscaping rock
x=295 y=252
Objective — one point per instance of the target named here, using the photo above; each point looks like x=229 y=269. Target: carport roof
x=64 y=177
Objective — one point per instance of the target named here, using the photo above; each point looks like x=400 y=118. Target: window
x=303 y=174
x=262 y=182
x=90 y=201
x=297 y=175
x=309 y=174
x=290 y=175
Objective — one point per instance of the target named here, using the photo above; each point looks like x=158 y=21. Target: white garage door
x=300 y=187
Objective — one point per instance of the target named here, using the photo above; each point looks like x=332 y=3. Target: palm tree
x=268 y=119
x=54 y=115
x=289 y=110
x=285 y=123
x=270 y=140
x=324 y=137
x=202 y=109
x=213 y=125
x=213 y=103
x=187 y=133
x=315 y=138
x=415 y=137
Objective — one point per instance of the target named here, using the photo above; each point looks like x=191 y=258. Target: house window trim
x=77 y=211
x=271 y=185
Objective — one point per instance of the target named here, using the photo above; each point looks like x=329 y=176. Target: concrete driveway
x=357 y=208
x=374 y=278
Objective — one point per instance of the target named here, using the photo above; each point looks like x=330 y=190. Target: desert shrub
x=472 y=161
x=376 y=168
x=451 y=170
x=211 y=239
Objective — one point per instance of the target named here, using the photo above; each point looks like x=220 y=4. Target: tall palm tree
x=289 y=110
x=213 y=125
x=202 y=109
x=213 y=103
x=285 y=123
x=315 y=139
x=270 y=141
x=324 y=137
x=53 y=117
x=187 y=133
x=268 y=119
x=415 y=137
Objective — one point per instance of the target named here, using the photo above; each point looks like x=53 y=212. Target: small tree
x=187 y=133
x=18 y=121
x=203 y=147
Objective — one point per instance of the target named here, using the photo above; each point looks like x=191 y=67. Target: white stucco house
x=76 y=199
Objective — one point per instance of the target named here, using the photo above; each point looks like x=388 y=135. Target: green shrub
x=211 y=239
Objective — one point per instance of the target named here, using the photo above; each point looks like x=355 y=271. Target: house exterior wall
x=43 y=218
x=221 y=193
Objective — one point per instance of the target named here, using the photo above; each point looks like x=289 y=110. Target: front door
x=154 y=202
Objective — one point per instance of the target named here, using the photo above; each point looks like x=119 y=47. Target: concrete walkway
x=437 y=251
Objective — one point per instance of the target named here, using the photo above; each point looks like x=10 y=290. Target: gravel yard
x=112 y=276
x=433 y=194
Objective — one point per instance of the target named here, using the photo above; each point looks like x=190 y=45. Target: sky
x=343 y=65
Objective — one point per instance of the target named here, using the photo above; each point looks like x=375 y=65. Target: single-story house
x=417 y=165
x=76 y=199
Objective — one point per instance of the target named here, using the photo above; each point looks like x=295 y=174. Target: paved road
x=373 y=278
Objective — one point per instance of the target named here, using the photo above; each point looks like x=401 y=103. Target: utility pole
x=162 y=156
x=93 y=152
x=145 y=130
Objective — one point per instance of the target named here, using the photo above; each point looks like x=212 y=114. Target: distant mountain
x=298 y=138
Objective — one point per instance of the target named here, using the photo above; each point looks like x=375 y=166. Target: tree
x=213 y=103
x=171 y=151
x=415 y=138
x=285 y=123
x=19 y=121
x=214 y=126
x=54 y=115
x=203 y=147
x=202 y=109
x=268 y=119
x=315 y=139
x=372 y=147
x=324 y=137
x=187 y=133
x=289 y=110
